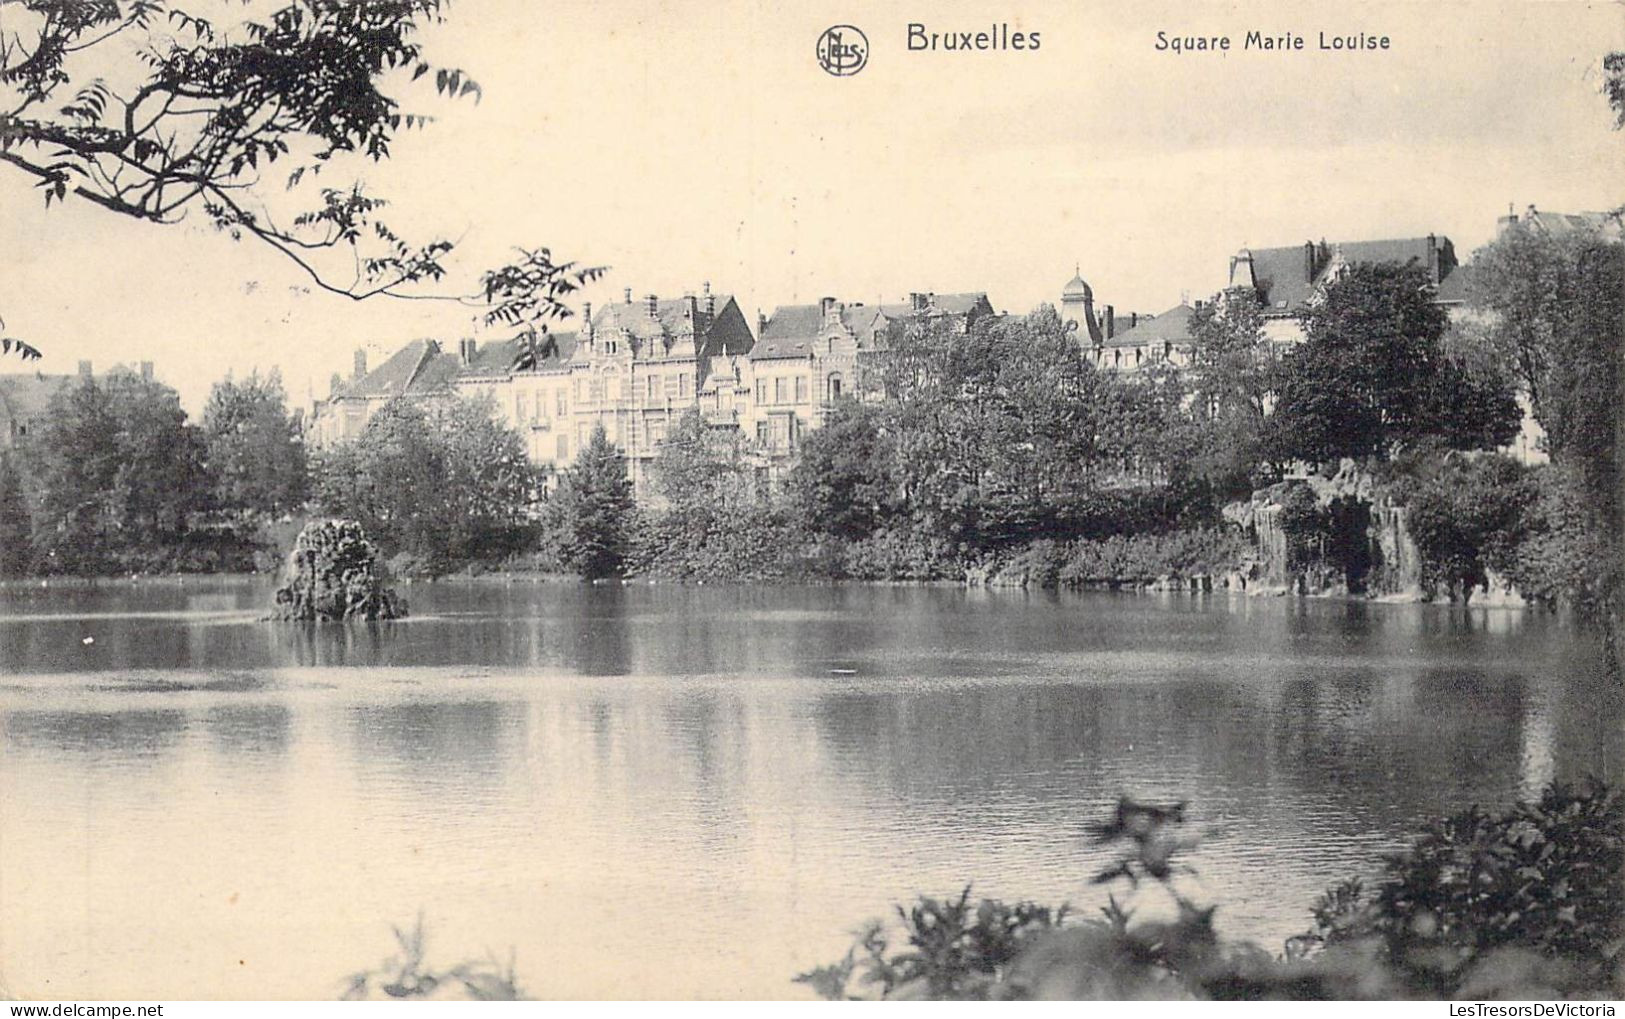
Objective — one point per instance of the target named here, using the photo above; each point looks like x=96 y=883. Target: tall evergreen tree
x=592 y=511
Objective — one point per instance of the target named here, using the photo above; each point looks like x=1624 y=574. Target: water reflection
x=718 y=782
x=126 y=735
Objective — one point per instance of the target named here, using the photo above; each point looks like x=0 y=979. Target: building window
x=564 y=401
x=835 y=386
x=657 y=431
x=652 y=387
x=761 y=392
x=564 y=447
x=761 y=432
x=520 y=407
x=801 y=389
x=682 y=386
x=778 y=390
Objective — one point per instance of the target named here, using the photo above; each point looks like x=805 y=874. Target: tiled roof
x=1171 y=326
x=1285 y=283
x=791 y=330
x=494 y=359
x=671 y=318
x=1453 y=288
x=394 y=376
x=1561 y=223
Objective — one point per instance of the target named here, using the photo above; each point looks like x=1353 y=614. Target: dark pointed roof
x=791 y=330
x=1171 y=326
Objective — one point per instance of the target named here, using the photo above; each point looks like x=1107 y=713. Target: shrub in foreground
x=1526 y=903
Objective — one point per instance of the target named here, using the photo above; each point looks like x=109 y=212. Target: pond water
x=661 y=791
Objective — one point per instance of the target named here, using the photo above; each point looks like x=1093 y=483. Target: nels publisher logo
x=843 y=50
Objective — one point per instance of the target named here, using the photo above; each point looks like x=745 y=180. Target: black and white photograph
x=638 y=500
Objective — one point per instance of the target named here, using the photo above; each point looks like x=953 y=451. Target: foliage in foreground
x=407 y=975
x=1526 y=903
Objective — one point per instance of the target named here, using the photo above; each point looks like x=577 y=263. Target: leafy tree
x=14 y=520
x=254 y=449
x=446 y=486
x=151 y=109
x=1468 y=519
x=843 y=482
x=1372 y=375
x=704 y=470
x=115 y=473
x=591 y=513
x=1233 y=374
x=1553 y=309
x=996 y=430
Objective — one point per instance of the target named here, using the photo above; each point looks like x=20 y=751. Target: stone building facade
x=811 y=355
x=634 y=368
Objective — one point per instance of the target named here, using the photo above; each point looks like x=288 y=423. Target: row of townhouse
x=637 y=365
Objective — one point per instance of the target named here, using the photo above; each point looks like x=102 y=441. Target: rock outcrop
x=333 y=574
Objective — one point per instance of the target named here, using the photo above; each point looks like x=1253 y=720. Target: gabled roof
x=497 y=359
x=1558 y=224
x=403 y=372
x=1171 y=326
x=1453 y=289
x=673 y=317
x=793 y=328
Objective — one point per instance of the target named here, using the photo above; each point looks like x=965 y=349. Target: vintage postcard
x=748 y=500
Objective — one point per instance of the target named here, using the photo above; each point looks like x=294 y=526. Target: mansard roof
x=1171 y=326
x=1286 y=278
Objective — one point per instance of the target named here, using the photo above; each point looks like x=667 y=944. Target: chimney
x=334 y=384
x=1110 y=315
x=1507 y=222
x=710 y=299
x=1309 y=261
x=1433 y=258
x=825 y=304
x=692 y=309
x=654 y=309
x=467 y=349
x=1133 y=319
x=918 y=302
x=146 y=371
x=761 y=324
x=628 y=293
x=84 y=369
x=360 y=368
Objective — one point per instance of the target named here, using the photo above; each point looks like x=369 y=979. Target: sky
x=679 y=143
